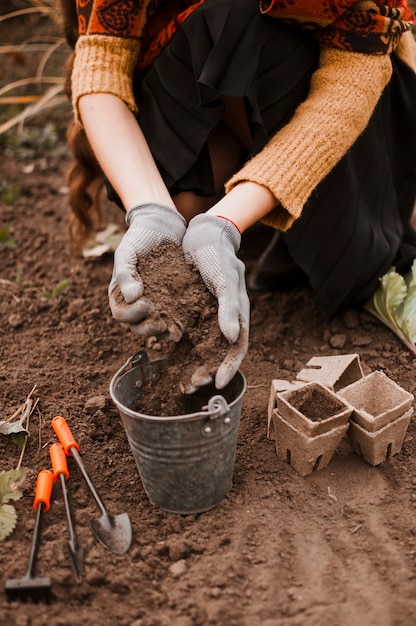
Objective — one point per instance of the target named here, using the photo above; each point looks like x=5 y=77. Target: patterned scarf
x=370 y=26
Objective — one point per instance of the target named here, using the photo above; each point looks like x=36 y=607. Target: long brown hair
x=84 y=177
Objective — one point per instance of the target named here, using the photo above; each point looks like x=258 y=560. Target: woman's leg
x=232 y=138
x=225 y=154
x=226 y=144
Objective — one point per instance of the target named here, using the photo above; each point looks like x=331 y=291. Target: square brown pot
x=376 y=447
x=376 y=400
x=313 y=408
x=278 y=385
x=302 y=452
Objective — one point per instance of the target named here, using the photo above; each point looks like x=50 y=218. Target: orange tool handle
x=43 y=491
x=63 y=432
x=58 y=458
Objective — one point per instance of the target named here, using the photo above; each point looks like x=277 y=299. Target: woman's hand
x=211 y=244
x=151 y=226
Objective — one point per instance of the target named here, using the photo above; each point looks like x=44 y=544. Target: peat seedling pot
x=305 y=454
x=185 y=462
x=380 y=418
x=378 y=446
x=377 y=400
x=313 y=409
x=309 y=423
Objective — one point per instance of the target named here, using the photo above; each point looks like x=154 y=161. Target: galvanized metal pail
x=185 y=462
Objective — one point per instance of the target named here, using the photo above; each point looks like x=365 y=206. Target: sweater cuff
x=343 y=94
x=104 y=65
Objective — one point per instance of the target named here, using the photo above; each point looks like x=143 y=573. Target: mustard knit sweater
x=343 y=93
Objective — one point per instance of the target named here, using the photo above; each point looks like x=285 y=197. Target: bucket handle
x=217 y=406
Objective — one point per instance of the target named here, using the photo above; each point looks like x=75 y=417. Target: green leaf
x=19 y=439
x=9 y=194
x=5 y=239
x=394 y=304
x=58 y=289
x=8 y=519
x=11 y=483
x=408 y=313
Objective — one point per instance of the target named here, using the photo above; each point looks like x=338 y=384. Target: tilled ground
x=336 y=547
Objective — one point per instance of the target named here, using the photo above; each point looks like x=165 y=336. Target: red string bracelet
x=228 y=219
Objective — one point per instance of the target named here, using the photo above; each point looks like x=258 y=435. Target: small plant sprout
x=6 y=240
x=58 y=289
x=19 y=276
x=9 y=194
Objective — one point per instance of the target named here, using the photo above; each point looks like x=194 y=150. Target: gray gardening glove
x=151 y=226
x=211 y=244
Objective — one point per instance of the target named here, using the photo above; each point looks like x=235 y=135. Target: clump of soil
x=317 y=406
x=186 y=306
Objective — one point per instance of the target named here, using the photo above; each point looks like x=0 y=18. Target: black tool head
x=36 y=588
x=114 y=532
x=76 y=554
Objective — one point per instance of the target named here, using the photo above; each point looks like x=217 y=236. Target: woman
x=302 y=112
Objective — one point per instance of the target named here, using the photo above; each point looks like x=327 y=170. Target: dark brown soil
x=333 y=549
x=337 y=547
x=193 y=313
x=317 y=406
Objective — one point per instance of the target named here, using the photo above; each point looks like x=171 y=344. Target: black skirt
x=224 y=48
x=357 y=222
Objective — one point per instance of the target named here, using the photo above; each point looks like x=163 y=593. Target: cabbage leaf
x=394 y=304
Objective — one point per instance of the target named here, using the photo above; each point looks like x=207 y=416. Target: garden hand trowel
x=113 y=531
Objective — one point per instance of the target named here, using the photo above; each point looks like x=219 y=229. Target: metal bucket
x=185 y=462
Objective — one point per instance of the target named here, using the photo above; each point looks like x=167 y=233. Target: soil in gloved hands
x=181 y=298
